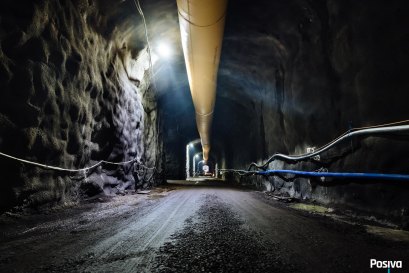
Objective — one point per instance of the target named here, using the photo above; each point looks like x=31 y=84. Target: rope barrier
x=84 y=170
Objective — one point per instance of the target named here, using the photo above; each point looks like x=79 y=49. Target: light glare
x=164 y=50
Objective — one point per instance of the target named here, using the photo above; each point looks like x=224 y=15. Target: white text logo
x=385 y=264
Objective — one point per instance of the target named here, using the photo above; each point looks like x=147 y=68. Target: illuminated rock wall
x=297 y=74
x=72 y=94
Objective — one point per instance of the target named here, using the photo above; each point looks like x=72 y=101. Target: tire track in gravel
x=124 y=242
x=196 y=229
x=132 y=248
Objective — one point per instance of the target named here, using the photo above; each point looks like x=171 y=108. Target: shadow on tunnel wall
x=70 y=98
x=297 y=74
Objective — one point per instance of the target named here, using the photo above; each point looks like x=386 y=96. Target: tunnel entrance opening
x=202 y=168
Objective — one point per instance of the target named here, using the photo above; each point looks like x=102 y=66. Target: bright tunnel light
x=164 y=50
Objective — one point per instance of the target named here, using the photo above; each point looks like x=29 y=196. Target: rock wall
x=74 y=90
x=299 y=73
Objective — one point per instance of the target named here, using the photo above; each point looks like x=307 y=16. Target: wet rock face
x=69 y=98
x=297 y=74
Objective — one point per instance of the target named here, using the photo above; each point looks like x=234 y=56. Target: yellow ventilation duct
x=201 y=28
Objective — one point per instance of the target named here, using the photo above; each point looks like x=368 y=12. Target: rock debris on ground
x=216 y=240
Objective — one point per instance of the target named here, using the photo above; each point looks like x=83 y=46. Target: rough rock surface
x=293 y=75
x=297 y=74
x=309 y=71
x=72 y=94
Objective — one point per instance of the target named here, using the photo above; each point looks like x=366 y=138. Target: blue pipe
x=379 y=176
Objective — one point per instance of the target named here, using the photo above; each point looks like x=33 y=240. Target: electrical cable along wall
x=365 y=131
x=70 y=116
x=372 y=130
x=295 y=76
x=302 y=168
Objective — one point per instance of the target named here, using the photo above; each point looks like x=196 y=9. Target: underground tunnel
x=204 y=136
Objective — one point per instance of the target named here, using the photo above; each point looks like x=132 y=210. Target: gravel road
x=188 y=229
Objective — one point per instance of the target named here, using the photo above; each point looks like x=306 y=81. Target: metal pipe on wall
x=201 y=28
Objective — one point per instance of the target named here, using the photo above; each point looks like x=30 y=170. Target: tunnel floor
x=183 y=228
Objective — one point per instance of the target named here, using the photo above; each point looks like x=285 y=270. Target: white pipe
x=380 y=130
x=201 y=28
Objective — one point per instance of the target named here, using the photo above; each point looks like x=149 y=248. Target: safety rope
x=83 y=170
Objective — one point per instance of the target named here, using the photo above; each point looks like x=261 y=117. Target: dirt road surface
x=183 y=228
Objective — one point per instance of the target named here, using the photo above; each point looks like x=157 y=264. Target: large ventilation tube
x=201 y=27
